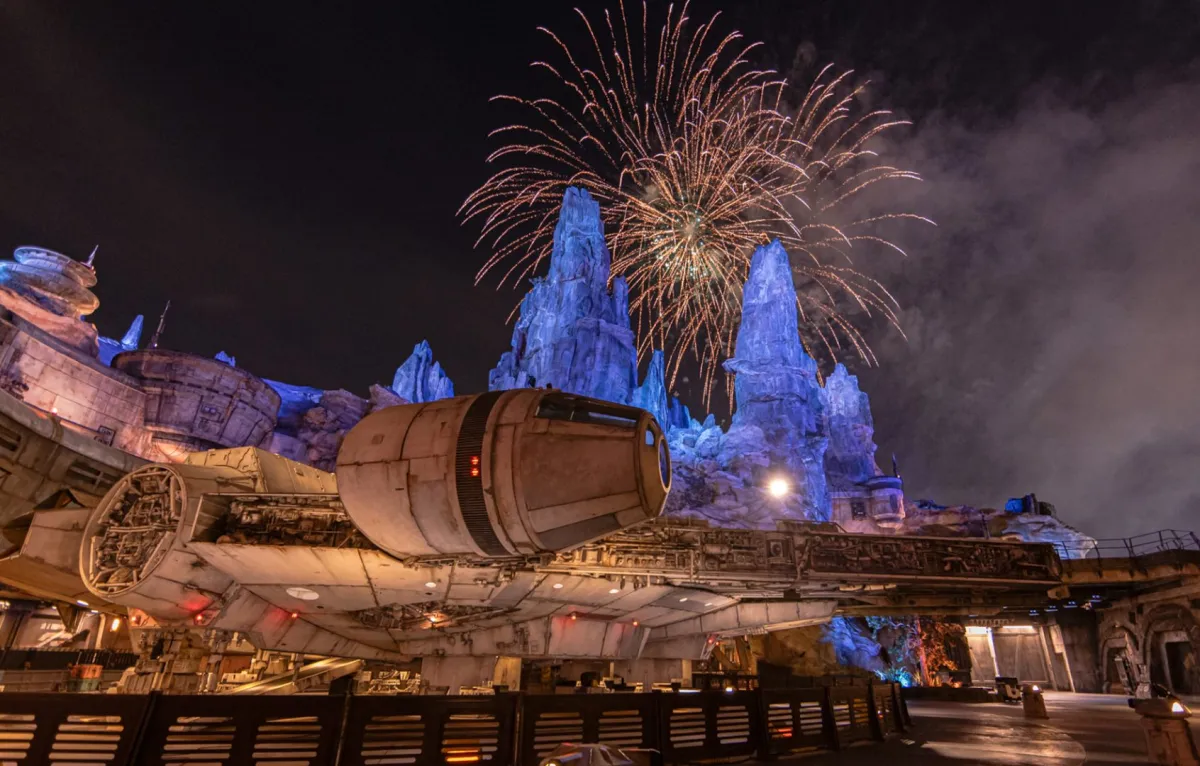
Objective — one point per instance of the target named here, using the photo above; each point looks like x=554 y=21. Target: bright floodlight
x=778 y=487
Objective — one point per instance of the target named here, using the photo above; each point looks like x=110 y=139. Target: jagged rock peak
x=851 y=455
x=652 y=395
x=226 y=359
x=133 y=336
x=573 y=333
x=579 y=218
x=776 y=388
x=420 y=379
x=769 y=332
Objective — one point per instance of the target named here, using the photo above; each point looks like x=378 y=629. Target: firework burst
x=696 y=158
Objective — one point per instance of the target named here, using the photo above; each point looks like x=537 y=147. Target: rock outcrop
x=652 y=396
x=850 y=457
x=420 y=379
x=312 y=422
x=110 y=347
x=573 y=332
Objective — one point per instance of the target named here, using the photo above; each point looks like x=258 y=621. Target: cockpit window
x=580 y=409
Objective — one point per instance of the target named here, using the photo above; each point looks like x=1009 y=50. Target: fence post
x=877 y=732
x=828 y=721
x=343 y=728
x=897 y=708
x=762 y=748
x=139 y=734
x=662 y=737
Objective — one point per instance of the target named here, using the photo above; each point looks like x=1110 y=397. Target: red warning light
x=475 y=472
x=474 y=466
x=474 y=460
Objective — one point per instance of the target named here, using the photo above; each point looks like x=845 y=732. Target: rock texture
x=573 y=331
x=779 y=427
x=420 y=379
x=850 y=457
x=110 y=347
x=776 y=387
x=652 y=395
x=312 y=422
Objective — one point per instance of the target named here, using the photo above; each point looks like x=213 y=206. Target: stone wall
x=78 y=389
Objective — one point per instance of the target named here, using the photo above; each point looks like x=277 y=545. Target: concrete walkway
x=1083 y=728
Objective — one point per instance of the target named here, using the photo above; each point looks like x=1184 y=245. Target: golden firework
x=696 y=159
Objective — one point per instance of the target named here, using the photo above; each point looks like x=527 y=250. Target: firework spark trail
x=695 y=160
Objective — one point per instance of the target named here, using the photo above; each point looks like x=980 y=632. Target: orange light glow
x=635 y=623
x=295 y=615
x=574 y=616
x=474 y=472
x=115 y=625
x=474 y=460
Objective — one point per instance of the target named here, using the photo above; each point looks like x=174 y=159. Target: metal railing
x=1129 y=547
x=500 y=730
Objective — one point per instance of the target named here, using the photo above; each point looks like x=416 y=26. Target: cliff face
x=573 y=332
x=420 y=379
x=850 y=458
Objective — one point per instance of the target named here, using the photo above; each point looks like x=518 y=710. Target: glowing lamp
x=1177 y=707
x=431 y=584
x=635 y=623
x=1036 y=688
x=574 y=616
x=558 y=585
x=115 y=625
x=614 y=590
x=778 y=487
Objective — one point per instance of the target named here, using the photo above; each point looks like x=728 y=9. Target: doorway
x=1178 y=655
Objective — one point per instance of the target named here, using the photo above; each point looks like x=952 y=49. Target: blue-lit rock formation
x=776 y=387
x=850 y=458
x=312 y=422
x=652 y=396
x=573 y=332
x=226 y=359
x=420 y=379
x=110 y=347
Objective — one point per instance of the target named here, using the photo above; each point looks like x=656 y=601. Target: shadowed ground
x=1091 y=728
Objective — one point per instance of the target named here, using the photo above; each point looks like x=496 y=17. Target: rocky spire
x=652 y=395
x=573 y=333
x=133 y=336
x=420 y=379
x=850 y=458
x=776 y=387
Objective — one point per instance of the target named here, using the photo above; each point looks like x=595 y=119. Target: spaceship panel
x=582 y=510
x=501 y=490
x=559 y=469
x=330 y=598
x=285 y=565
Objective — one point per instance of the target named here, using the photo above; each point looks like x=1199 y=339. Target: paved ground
x=1083 y=728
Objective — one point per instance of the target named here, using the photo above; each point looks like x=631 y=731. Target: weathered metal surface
x=719 y=556
x=501 y=474
x=40 y=455
x=197 y=403
x=927 y=558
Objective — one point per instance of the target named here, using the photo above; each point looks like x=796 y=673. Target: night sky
x=287 y=174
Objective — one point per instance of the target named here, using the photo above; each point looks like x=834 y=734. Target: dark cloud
x=1052 y=317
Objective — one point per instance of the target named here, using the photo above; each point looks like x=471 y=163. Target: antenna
x=162 y=322
x=92 y=258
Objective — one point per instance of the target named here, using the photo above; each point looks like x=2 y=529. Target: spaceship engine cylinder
x=506 y=473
